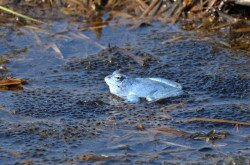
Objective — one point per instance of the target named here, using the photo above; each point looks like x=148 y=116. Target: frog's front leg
x=132 y=98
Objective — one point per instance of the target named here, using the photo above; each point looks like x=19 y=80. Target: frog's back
x=144 y=87
x=158 y=88
x=167 y=82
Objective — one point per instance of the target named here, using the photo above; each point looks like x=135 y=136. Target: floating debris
x=91 y=157
x=140 y=127
x=210 y=136
x=9 y=83
x=219 y=121
x=175 y=132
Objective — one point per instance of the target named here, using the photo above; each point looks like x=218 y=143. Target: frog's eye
x=119 y=77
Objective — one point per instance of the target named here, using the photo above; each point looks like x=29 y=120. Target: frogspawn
x=132 y=89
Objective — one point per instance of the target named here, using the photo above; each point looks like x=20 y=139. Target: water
x=66 y=115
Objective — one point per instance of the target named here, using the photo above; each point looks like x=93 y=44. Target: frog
x=132 y=90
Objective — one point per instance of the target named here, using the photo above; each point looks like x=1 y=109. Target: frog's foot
x=133 y=98
x=151 y=99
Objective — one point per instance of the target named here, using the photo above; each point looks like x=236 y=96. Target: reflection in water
x=98 y=23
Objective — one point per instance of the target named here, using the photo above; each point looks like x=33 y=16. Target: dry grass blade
x=210 y=4
x=174 y=39
x=142 y=4
x=242 y=30
x=38 y=29
x=177 y=145
x=219 y=121
x=121 y=14
x=171 y=10
x=54 y=47
x=36 y=37
x=20 y=15
x=156 y=9
x=243 y=2
x=97 y=27
x=222 y=25
x=152 y=5
x=178 y=11
x=198 y=8
x=228 y=18
x=174 y=132
x=173 y=107
x=80 y=4
x=9 y=81
x=57 y=50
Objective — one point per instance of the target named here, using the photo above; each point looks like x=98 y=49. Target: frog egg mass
x=132 y=89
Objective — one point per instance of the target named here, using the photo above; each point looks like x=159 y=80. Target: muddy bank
x=230 y=17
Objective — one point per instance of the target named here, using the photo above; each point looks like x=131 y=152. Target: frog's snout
x=106 y=79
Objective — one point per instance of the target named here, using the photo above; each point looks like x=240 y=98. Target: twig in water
x=219 y=121
x=172 y=131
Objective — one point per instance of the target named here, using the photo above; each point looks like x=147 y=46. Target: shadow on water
x=65 y=114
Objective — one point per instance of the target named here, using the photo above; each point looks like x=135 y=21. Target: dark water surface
x=66 y=115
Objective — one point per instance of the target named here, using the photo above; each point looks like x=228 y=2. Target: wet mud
x=65 y=114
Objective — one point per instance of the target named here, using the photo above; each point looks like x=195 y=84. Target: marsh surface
x=65 y=113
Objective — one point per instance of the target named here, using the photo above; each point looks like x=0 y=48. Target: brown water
x=66 y=115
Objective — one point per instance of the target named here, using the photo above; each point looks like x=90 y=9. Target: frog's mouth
x=108 y=80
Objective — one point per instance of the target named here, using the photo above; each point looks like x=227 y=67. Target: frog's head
x=115 y=79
